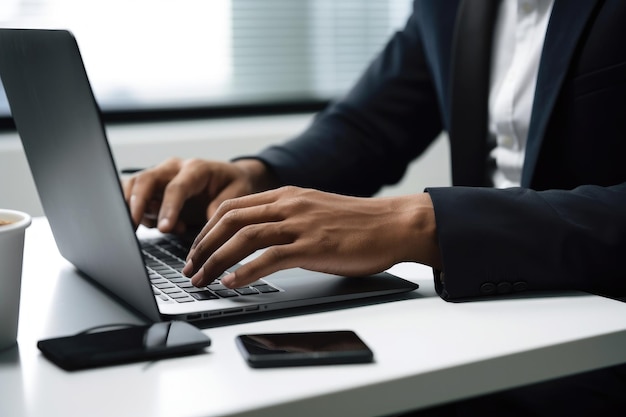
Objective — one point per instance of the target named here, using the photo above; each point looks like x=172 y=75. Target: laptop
x=64 y=139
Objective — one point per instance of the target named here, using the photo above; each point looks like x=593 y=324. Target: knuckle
x=174 y=186
x=288 y=189
x=173 y=161
x=251 y=232
x=169 y=165
x=231 y=217
x=226 y=206
x=192 y=163
x=285 y=232
x=277 y=254
x=296 y=204
x=139 y=179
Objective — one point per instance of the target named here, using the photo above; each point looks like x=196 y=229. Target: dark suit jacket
x=565 y=228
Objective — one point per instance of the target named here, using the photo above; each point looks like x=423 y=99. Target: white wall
x=147 y=144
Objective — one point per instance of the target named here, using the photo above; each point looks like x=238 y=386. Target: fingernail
x=229 y=280
x=198 y=279
x=164 y=223
x=188 y=268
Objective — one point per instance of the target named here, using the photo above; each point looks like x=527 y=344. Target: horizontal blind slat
x=228 y=50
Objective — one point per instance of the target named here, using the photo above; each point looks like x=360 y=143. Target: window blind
x=143 y=54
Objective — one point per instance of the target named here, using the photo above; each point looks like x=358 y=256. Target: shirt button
x=527 y=7
x=504 y=287
x=507 y=141
x=488 y=288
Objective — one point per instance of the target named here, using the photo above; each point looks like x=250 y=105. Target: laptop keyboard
x=165 y=258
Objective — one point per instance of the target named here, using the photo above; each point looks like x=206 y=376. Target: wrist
x=419 y=225
x=259 y=174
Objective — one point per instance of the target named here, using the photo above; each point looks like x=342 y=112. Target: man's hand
x=314 y=230
x=177 y=194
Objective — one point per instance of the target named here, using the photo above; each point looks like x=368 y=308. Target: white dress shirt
x=519 y=34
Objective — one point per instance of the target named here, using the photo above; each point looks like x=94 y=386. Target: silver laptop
x=60 y=126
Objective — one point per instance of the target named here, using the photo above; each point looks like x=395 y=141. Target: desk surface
x=426 y=351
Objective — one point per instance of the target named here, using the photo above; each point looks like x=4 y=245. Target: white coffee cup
x=11 y=257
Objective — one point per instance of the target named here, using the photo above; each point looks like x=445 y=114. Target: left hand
x=314 y=230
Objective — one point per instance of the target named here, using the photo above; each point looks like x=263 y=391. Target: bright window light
x=160 y=54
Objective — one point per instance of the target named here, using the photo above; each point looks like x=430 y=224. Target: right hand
x=178 y=194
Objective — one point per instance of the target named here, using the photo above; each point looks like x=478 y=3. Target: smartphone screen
x=86 y=350
x=307 y=348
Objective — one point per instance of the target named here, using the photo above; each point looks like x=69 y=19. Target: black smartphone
x=131 y=344
x=307 y=348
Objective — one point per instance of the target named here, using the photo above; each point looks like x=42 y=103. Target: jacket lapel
x=564 y=30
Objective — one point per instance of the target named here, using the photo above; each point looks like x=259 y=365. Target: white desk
x=427 y=351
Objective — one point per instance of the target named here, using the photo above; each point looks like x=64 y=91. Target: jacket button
x=488 y=288
x=520 y=286
x=504 y=287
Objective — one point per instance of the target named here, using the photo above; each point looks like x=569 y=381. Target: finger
x=274 y=259
x=244 y=243
x=214 y=235
x=139 y=195
x=151 y=222
x=232 y=210
x=222 y=228
x=148 y=221
x=180 y=227
x=228 y=193
x=127 y=185
x=174 y=198
x=190 y=180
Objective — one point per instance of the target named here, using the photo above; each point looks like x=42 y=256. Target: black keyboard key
x=171 y=274
x=175 y=250
x=266 y=288
x=165 y=257
x=170 y=291
x=164 y=285
x=204 y=295
x=180 y=280
x=179 y=295
x=227 y=293
x=246 y=291
x=194 y=289
x=216 y=287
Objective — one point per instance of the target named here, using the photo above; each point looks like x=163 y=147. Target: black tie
x=471 y=62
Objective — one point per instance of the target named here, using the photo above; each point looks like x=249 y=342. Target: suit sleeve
x=503 y=241
x=366 y=139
